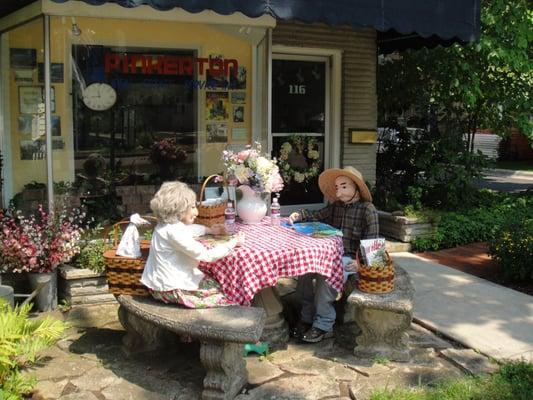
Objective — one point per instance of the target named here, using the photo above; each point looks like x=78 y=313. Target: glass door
x=300 y=124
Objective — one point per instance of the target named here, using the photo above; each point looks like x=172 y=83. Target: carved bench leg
x=142 y=336
x=226 y=370
x=383 y=333
x=276 y=330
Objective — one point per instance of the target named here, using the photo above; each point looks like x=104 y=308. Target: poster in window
x=31 y=96
x=238 y=114
x=56 y=125
x=216 y=106
x=216 y=79
x=238 y=97
x=22 y=58
x=239 y=134
x=58 y=144
x=237 y=80
x=217 y=133
x=56 y=72
x=32 y=149
x=24 y=75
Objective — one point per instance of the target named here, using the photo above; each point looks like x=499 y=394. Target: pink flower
x=243 y=155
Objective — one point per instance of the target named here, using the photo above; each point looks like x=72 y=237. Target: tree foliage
x=485 y=84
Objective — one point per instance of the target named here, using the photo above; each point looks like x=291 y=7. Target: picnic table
x=250 y=272
x=272 y=252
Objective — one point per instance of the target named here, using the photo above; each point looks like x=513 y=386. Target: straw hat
x=326 y=182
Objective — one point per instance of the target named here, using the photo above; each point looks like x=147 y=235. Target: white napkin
x=130 y=244
x=212 y=202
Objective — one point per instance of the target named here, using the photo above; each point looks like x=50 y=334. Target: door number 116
x=296 y=89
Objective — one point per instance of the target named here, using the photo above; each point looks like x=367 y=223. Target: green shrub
x=476 y=224
x=92 y=255
x=512 y=248
x=21 y=339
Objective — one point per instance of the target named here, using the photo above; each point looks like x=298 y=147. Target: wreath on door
x=299 y=159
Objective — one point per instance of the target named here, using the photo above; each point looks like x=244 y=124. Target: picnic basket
x=377 y=280
x=209 y=214
x=124 y=273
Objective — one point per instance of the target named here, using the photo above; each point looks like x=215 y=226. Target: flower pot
x=7 y=294
x=46 y=298
x=252 y=207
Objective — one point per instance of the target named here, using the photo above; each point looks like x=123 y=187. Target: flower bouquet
x=257 y=175
x=39 y=242
x=250 y=167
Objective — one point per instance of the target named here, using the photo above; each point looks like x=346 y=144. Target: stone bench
x=379 y=322
x=222 y=332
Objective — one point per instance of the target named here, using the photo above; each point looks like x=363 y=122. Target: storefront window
x=22 y=140
x=137 y=112
x=143 y=102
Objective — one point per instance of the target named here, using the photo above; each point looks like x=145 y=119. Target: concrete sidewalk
x=492 y=319
x=509 y=173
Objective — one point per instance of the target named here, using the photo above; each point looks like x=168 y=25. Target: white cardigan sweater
x=175 y=254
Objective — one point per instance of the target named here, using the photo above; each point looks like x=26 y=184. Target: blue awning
x=424 y=21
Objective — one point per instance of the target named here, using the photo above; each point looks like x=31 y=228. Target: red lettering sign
x=166 y=64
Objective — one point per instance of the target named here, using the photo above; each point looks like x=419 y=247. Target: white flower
x=286 y=147
x=298 y=177
x=242 y=173
x=313 y=154
x=264 y=165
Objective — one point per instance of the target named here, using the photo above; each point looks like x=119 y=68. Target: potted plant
x=37 y=244
x=167 y=155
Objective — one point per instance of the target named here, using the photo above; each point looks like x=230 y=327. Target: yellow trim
x=363 y=136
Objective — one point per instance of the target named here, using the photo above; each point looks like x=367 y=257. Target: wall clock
x=99 y=96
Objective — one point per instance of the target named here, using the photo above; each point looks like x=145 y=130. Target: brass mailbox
x=363 y=136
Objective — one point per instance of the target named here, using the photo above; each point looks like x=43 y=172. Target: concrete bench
x=379 y=322
x=222 y=332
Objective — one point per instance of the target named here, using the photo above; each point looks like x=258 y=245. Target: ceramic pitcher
x=251 y=208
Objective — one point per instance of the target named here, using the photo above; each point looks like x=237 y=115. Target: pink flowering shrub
x=40 y=242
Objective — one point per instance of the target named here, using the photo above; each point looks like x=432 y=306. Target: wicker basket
x=209 y=215
x=377 y=280
x=124 y=273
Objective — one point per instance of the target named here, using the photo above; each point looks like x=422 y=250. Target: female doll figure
x=171 y=272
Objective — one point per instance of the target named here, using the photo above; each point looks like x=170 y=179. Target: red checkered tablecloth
x=272 y=252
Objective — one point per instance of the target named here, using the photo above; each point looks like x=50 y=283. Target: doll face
x=189 y=216
x=345 y=189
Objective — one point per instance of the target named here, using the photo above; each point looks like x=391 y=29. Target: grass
x=513 y=381
x=516 y=165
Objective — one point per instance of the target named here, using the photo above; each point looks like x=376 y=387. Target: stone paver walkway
x=89 y=365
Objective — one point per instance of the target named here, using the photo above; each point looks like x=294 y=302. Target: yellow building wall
x=206 y=39
x=29 y=36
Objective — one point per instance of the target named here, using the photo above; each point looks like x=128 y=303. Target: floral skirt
x=208 y=295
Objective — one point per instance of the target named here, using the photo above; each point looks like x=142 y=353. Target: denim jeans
x=317 y=301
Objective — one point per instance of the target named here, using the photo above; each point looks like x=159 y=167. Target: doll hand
x=240 y=237
x=294 y=217
x=218 y=229
x=352 y=266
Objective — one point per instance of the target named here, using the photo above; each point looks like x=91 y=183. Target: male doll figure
x=350 y=210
